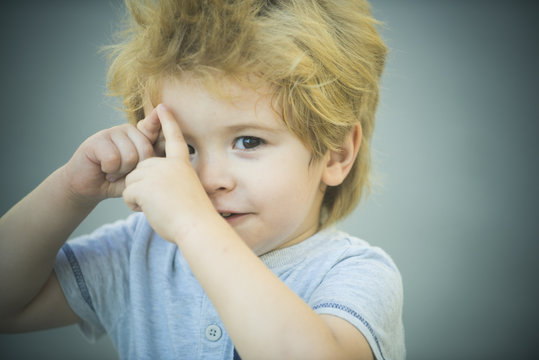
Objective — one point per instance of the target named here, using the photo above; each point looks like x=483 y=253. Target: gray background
x=455 y=153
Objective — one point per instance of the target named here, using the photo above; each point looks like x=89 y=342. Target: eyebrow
x=249 y=126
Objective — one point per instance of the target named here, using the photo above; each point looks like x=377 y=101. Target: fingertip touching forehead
x=322 y=60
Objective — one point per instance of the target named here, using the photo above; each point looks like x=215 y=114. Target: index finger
x=175 y=145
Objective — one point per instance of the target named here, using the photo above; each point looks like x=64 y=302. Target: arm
x=30 y=239
x=33 y=231
x=264 y=318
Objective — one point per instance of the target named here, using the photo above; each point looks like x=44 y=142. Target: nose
x=215 y=174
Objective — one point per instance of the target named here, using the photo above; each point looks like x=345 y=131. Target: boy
x=256 y=117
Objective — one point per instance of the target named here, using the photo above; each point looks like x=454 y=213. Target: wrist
x=64 y=179
x=209 y=225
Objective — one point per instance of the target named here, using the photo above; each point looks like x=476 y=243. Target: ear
x=339 y=162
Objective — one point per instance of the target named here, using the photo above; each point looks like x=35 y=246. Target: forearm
x=264 y=318
x=31 y=233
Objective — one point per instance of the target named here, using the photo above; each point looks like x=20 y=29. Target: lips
x=229 y=216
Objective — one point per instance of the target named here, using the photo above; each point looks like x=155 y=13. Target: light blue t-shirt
x=127 y=281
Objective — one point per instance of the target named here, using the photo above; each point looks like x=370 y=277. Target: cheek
x=284 y=182
x=288 y=190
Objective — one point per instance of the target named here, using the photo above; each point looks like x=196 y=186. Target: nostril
x=214 y=174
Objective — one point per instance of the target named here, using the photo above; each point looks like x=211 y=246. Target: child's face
x=257 y=173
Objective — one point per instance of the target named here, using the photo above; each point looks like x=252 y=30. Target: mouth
x=229 y=216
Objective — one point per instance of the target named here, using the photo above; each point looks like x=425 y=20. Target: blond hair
x=322 y=58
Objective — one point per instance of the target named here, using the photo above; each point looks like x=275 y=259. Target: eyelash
x=257 y=142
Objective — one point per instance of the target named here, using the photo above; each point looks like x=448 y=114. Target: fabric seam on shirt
x=133 y=230
x=79 y=277
x=357 y=316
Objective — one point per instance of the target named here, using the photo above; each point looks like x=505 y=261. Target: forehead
x=219 y=98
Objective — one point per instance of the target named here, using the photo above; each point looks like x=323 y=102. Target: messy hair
x=322 y=58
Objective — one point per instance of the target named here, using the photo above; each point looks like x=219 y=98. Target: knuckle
x=98 y=137
x=110 y=162
x=124 y=127
x=147 y=150
x=113 y=130
x=131 y=159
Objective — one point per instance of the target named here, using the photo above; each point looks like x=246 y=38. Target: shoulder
x=363 y=286
x=361 y=255
x=133 y=225
x=341 y=250
x=95 y=271
x=357 y=266
x=114 y=235
x=333 y=265
x=106 y=251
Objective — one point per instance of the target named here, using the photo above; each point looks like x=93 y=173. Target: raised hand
x=167 y=189
x=98 y=168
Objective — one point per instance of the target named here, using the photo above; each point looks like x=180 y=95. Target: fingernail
x=111 y=178
x=162 y=107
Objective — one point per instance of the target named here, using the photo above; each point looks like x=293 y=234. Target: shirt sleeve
x=365 y=288
x=93 y=270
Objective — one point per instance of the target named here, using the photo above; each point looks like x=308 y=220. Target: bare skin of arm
x=33 y=231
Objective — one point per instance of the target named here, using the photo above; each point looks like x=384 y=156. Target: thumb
x=150 y=126
x=175 y=145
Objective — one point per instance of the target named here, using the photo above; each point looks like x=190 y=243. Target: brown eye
x=247 y=142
